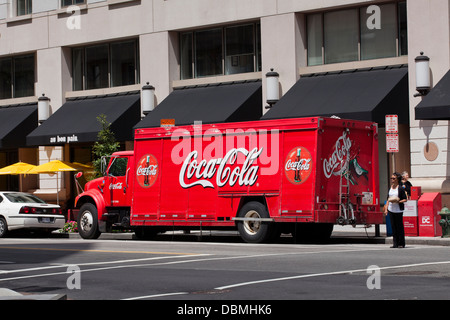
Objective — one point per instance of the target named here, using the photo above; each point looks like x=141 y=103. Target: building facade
x=95 y=56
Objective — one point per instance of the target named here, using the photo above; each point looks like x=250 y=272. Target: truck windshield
x=118 y=167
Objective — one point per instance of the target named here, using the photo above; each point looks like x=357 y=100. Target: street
x=231 y=270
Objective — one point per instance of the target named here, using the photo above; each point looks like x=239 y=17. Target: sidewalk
x=359 y=232
x=340 y=234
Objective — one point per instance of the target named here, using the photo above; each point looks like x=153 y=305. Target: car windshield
x=22 y=198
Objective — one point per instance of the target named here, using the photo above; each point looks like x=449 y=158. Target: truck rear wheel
x=255 y=231
x=88 y=222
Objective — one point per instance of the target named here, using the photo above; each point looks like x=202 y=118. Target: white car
x=19 y=210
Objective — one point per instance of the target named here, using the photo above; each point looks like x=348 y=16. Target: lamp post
x=423 y=79
x=273 y=88
x=148 y=99
x=43 y=108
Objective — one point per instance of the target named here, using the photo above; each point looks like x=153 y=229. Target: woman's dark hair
x=398 y=176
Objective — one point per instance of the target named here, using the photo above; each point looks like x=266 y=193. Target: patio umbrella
x=57 y=166
x=17 y=168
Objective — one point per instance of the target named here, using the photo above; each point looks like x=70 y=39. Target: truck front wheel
x=251 y=228
x=88 y=222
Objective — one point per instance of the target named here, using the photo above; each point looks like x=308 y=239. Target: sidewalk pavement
x=348 y=234
x=359 y=232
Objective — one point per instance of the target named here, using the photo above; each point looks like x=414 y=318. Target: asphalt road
x=222 y=270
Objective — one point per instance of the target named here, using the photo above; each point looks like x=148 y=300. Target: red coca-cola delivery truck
x=299 y=176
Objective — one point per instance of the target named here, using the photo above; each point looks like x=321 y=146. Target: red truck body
x=263 y=177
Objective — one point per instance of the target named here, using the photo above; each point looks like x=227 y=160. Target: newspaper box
x=410 y=219
x=416 y=192
x=429 y=205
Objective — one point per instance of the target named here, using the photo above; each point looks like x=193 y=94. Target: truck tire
x=88 y=222
x=255 y=231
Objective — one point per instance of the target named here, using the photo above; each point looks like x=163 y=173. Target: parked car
x=20 y=210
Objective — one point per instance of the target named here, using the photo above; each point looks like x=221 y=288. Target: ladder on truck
x=346 y=211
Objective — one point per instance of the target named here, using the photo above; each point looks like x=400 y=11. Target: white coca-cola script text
x=334 y=165
x=204 y=171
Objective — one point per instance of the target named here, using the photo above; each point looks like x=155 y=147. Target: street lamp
x=148 y=99
x=423 y=79
x=43 y=108
x=273 y=88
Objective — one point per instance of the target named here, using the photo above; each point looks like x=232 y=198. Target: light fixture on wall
x=272 y=88
x=423 y=78
x=43 y=108
x=148 y=99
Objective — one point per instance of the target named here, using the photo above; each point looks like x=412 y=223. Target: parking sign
x=392 y=143
x=392 y=123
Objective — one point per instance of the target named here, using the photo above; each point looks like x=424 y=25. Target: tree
x=105 y=145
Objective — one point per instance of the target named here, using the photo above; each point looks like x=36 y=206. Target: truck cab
x=106 y=201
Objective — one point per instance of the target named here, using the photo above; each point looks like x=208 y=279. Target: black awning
x=15 y=124
x=76 y=120
x=436 y=105
x=359 y=94
x=224 y=102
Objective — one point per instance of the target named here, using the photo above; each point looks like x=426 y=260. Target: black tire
x=88 y=222
x=255 y=231
x=3 y=227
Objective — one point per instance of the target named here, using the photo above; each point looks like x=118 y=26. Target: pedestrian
x=394 y=208
x=406 y=184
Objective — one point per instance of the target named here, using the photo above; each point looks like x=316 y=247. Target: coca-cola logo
x=298 y=165
x=147 y=171
x=202 y=172
x=335 y=164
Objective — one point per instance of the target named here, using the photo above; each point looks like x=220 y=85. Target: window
x=97 y=67
x=66 y=3
x=220 y=51
x=119 y=167
x=344 y=35
x=17 y=77
x=379 y=43
x=24 y=7
x=341 y=36
x=105 y=65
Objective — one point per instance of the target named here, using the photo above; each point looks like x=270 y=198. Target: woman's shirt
x=394 y=207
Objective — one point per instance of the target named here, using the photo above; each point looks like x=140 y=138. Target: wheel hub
x=252 y=227
x=86 y=221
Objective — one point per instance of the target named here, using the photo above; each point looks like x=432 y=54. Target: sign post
x=392 y=138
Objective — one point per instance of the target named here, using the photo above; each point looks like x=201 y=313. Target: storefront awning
x=16 y=122
x=359 y=94
x=224 y=102
x=436 y=105
x=76 y=121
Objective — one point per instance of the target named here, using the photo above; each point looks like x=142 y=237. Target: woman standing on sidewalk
x=394 y=207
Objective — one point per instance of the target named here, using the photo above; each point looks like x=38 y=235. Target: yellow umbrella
x=17 y=168
x=56 y=166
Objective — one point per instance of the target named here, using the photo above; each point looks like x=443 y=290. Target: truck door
x=116 y=190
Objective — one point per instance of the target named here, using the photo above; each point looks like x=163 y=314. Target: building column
x=282 y=49
x=429 y=32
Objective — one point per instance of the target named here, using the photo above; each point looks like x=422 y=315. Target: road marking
x=159 y=263
x=88 y=264
x=157 y=296
x=96 y=251
x=242 y=284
